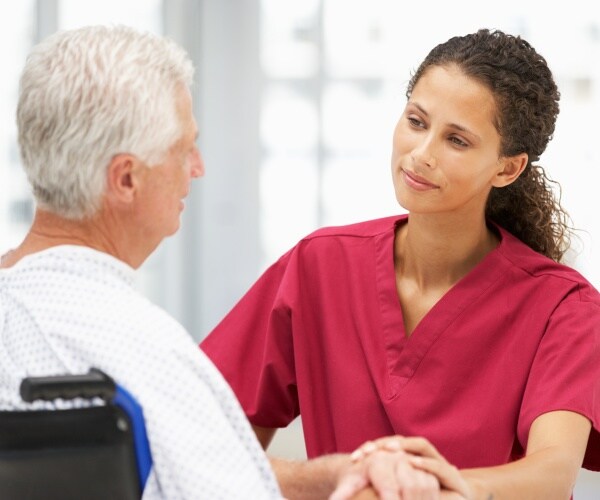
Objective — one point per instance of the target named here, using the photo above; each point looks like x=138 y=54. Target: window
x=18 y=31
x=334 y=77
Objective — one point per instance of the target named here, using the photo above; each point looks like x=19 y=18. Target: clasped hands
x=401 y=468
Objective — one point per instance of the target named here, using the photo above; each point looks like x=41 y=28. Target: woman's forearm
x=555 y=450
x=547 y=474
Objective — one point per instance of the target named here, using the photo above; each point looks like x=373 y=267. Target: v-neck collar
x=404 y=354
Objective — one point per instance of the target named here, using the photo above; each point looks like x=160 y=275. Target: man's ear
x=512 y=167
x=121 y=181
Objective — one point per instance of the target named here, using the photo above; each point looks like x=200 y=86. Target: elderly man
x=107 y=139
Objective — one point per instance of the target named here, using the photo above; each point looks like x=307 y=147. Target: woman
x=455 y=323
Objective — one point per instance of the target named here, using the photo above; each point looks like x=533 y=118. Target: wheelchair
x=98 y=452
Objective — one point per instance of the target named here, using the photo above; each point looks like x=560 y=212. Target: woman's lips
x=417 y=182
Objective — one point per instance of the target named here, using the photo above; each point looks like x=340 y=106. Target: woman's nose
x=424 y=153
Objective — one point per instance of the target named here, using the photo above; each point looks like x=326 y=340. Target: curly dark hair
x=526 y=99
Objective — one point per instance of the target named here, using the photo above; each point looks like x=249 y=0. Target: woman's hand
x=422 y=455
x=390 y=474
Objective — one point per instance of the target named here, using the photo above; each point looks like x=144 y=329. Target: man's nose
x=197 y=164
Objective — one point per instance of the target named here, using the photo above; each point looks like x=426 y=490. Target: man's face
x=165 y=186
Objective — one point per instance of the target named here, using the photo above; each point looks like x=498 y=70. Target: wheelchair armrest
x=93 y=384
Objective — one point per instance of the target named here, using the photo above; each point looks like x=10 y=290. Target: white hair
x=87 y=95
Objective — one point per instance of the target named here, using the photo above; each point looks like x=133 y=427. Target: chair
x=97 y=452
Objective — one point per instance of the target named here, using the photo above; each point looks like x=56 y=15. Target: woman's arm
x=555 y=450
x=264 y=435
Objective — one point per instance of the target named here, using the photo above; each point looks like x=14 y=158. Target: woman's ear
x=512 y=167
x=121 y=181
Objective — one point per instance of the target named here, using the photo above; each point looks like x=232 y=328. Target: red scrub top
x=321 y=334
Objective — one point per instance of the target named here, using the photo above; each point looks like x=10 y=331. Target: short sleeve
x=253 y=347
x=565 y=374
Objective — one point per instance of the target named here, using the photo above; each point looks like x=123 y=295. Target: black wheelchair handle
x=93 y=384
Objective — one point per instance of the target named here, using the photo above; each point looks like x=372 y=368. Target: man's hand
x=390 y=474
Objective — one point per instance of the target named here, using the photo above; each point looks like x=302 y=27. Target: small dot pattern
x=69 y=308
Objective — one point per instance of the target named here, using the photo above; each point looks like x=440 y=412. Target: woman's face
x=446 y=148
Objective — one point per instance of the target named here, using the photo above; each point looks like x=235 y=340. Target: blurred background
x=296 y=101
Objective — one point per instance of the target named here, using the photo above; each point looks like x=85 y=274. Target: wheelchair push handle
x=93 y=384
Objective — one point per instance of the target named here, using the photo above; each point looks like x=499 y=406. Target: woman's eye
x=415 y=122
x=458 y=141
